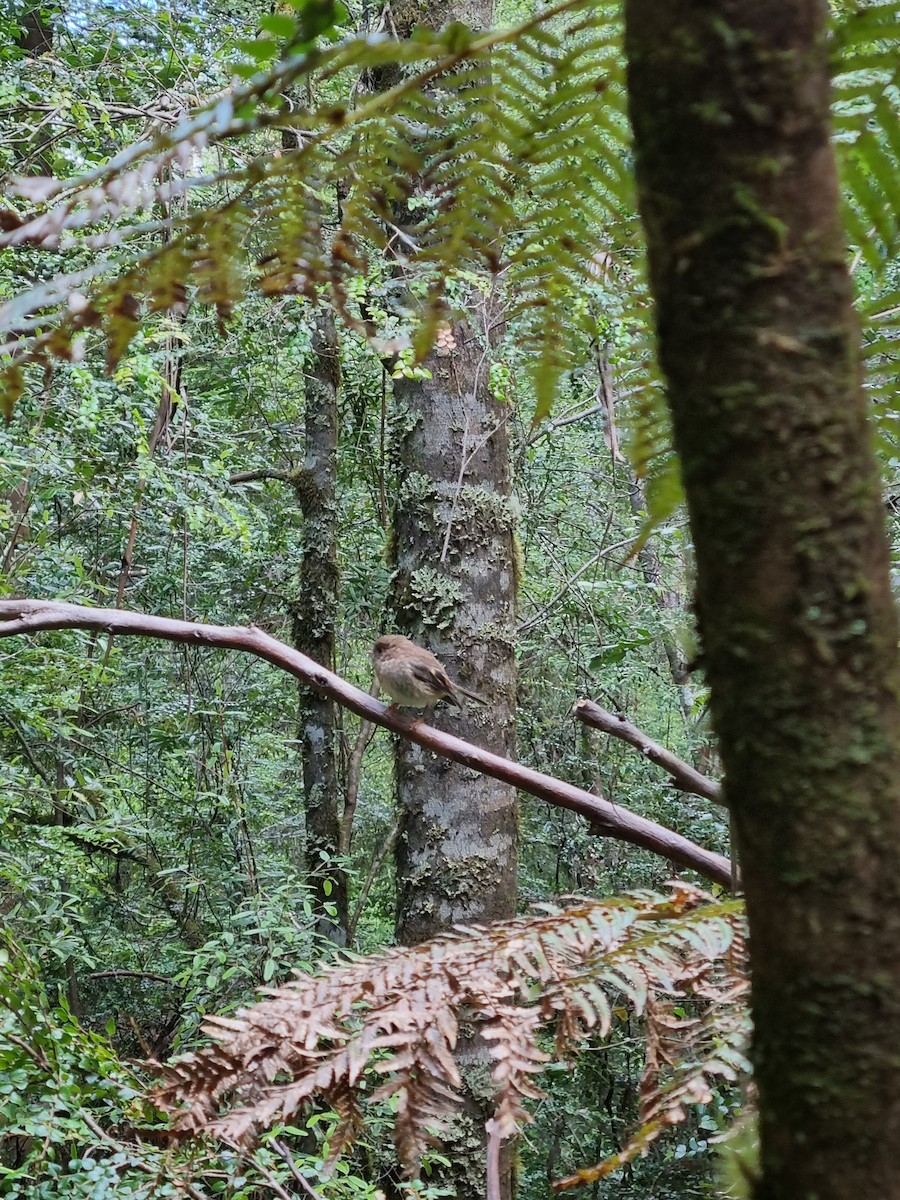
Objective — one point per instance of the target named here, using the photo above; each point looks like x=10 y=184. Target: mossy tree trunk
x=758 y=342
x=314 y=615
x=454 y=590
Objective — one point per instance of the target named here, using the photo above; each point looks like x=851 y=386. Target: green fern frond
x=516 y=139
x=450 y=144
x=881 y=358
x=865 y=55
x=866 y=58
x=854 y=32
x=293 y=258
x=575 y=140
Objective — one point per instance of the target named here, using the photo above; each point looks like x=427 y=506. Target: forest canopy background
x=169 y=239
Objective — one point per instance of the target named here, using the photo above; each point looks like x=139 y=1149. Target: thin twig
x=27 y=751
x=151 y=1168
x=270 y=1178
x=277 y=1145
x=573 y=579
x=386 y=847
x=354 y=770
x=255 y=476
x=493 y=1159
x=124 y=973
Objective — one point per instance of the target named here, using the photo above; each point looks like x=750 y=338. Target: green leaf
x=262 y=49
x=279 y=24
x=12 y=384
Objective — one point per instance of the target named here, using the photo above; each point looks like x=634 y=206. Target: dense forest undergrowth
x=477 y=453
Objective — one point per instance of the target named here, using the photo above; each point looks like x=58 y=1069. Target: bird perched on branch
x=412 y=676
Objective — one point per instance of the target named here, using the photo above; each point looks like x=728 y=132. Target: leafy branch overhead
x=509 y=152
x=453 y=140
x=535 y=988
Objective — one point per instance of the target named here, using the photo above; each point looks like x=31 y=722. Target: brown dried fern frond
x=686 y=1055
x=398 y=1014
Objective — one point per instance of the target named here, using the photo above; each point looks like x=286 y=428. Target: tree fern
x=866 y=64
x=573 y=143
x=514 y=146
x=461 y=161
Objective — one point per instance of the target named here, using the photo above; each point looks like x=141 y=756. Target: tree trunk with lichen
x=758 y=342
x=454 y=590
x=314 y=616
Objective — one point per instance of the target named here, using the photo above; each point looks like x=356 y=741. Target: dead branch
x=256 y=476
x=124 y=973
x=33 y=616
x=688 y=778
x=374 y=867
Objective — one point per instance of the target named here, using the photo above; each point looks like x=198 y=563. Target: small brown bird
x=412 y=676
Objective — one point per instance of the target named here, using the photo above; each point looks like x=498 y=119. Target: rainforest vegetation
x=561 y=339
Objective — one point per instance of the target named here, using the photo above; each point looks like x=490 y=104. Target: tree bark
x=314 y=616
x=454 y=589
x=757 y=339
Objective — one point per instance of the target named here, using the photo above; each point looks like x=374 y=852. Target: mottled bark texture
x=456 y=855
x=313 y=628
x=454 y=590
x=452 y=549
x=757 y=338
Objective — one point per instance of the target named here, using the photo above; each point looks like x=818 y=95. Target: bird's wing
x=432 y=677
x=435 y=679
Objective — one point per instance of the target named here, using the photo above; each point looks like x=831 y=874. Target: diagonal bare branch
x=688 y=778
x=34 y=616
